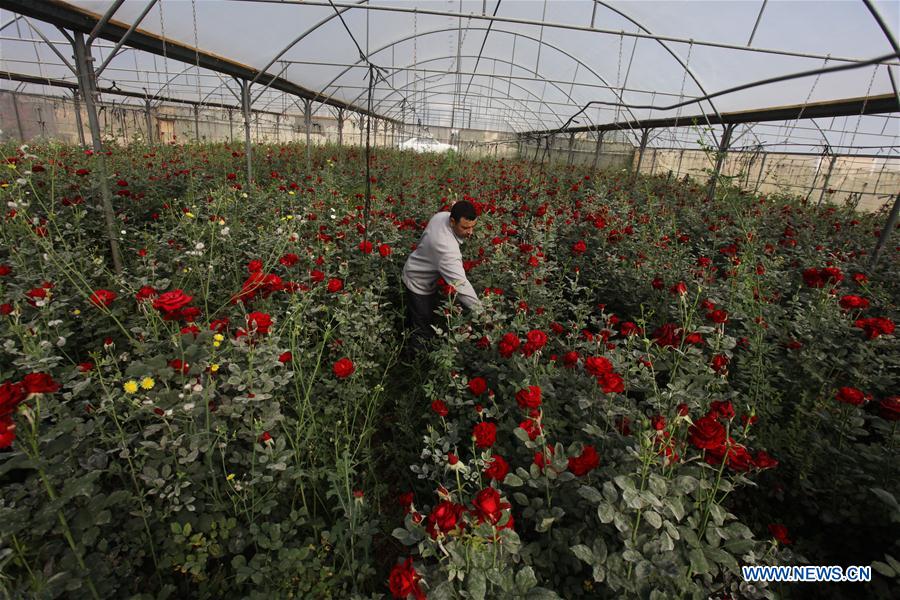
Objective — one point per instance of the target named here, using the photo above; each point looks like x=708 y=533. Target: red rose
x=7 y=431
x=404 y=581
x=611 y=383
x=5 y=270
x=343 y=368
x=719 y=363
x=851 y=302
x=172 y=301
x=86 y=367
x=485 y=434
x=286 y=357
x=534 y=341
x=532 y=428
x=289 y=260
x=508 y=344
x=440 y=408
x=6 y=308
x=721 y=409
x=579 y=248
x=707 y=433
x=477 y=385
x=597 y=365
x=585 y=462
x=889 y=408
x=679 y=289
x=498 y=468
x=763 y=460
x=876 y=326
x=488 y=506
x=39 y=383
x=259 y=321
x=529 y=398
x=365 y=247
x=145 y=293
x=384 y=250
x=179 y=366
x=444 y=518
x=11 y=395
x=265 y=437
x=658 y=422
x=717 y=316
x=850 y=395
x=335 y=285
x=102 y=298
x=254 y=266
x=780 y=533
x=570 y=359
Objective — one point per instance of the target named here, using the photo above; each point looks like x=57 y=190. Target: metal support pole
x=571 y=149
x=827 y=177
x=307 y=120
x=537 y=149
x=340 y=120
x=720 y=158
x=230 y=126
x=148 y=120
x=248 y=148
x=885 y=233
x=653 y=161
x=362 y=130
x=762 y=168
x=680 y=160
x=15 y=103
x=196 y=123
x=88 y=84
x=597 y=149
x=277 y=123
x=645 y=133
x=79 y=126
x=375 y=132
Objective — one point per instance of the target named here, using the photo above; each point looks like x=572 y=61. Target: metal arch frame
x=504 y=77
x=512 y=33
x=686 y=68
x=479 y=86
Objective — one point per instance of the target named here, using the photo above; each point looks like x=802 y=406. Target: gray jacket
x=437 y=255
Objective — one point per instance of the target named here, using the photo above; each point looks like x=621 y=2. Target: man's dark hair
x=463 y=210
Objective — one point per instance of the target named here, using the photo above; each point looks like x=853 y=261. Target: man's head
x=462 y=219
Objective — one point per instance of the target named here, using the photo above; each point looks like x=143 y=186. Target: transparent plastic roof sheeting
x=511 y=66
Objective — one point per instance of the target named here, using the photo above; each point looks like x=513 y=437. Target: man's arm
x=450 y=266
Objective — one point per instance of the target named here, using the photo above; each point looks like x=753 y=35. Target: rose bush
x=658 y=390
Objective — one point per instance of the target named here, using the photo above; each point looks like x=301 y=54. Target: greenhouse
x=449 y=299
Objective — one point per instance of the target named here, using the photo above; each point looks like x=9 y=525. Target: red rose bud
x=440 y=408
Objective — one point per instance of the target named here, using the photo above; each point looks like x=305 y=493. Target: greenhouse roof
x=507 y=65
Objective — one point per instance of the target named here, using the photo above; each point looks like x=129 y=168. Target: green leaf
x=624 y=482
x=883 y=568
x=583 y=553
x=698 y=562
x=653 y=519
x=540 y=593
x=476 y=584
x=886 y=497
x=525 y=579
x=606 y=513
x=513 y=480
x=591 y=494
x=444 y=591
x=686 y=484
x=599 y=573
x=599 y=550
x=677 y=508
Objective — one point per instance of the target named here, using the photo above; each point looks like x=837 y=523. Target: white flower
x=199 y=246
x=55 y=323
x=188 y=407
x=198 y=388
x=225 y=231
x=61 y=342
x=21 y=181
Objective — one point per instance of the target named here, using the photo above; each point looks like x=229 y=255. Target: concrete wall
x=872 y=182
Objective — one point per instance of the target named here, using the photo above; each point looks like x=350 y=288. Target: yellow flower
x=189 y=215
x=291 y=193
x=130 y=386
x=230 y=476
x=214 y=367
x=218 y=337
x=216 y=344
x=147 y=383
x=76 y=312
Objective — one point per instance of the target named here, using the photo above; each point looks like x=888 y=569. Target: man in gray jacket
x=437 y=255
